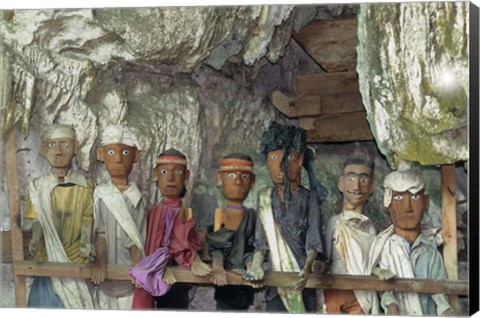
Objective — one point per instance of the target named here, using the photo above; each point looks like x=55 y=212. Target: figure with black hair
x=170 y=229
x=348 y=237
x=230 y=239
x=289 y=221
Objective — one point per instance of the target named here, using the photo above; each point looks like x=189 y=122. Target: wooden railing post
x=15 y=217
x=449 y=222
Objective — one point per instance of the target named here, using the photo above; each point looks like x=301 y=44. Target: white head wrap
x=55 y=131
x=117 y=134
x=401 y=181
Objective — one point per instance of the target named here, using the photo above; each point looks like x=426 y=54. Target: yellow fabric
x=71 y=207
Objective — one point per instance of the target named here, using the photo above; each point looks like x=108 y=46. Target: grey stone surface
x=206 y=93
x=413 y=67
x=7 y=287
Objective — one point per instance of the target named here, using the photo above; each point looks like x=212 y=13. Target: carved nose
x=118 y=158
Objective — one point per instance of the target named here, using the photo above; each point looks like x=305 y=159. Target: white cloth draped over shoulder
x=281 y=256
x=112 y=197
x=73 y=292
x=353 y=244
x=389 y=252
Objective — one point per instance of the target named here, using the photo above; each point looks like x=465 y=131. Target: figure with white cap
x=172 y=240
x=60 y=208
x=230 y=239
x=403 y=250
x=349 y=235
x=120 y=217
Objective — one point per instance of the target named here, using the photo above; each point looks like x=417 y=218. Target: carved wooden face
x=236 y=184
x=59 y=151
x=118 y=159
x=171 y=179
x=295 y=162
x=356 y=184
x=406 y=209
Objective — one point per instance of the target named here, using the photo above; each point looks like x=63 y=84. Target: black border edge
x=473 y=168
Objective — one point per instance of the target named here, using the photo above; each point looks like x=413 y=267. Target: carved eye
x=163 y=171
x=291 y=157
x=415 y=196
x=111 y=152
x=398 y=197
x=245 y=175
x=274 y=157
x=364 y=180
x=179 y=171
x=125 y=152
x=232 y=175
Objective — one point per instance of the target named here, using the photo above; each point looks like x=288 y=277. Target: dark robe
x=236 y=247
x=300 y=227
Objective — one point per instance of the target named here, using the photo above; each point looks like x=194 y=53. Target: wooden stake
x=449 y=222
x=279 y=279
x=15 y=217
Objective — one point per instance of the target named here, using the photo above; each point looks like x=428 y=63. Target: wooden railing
x=277 y=279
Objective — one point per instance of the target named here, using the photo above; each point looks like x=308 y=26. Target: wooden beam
x=321 y=94
x=324 y=84
x=279 y=279
x=449 y=223
x=15 y=217
x=300 y=107
x=332 y=43
x=337 y=128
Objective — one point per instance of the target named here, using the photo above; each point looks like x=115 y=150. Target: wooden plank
x=342 y=103
x=337 y=128
x=331 y=43
x=325 y=84
x=279 y=279
x=301 y=107
x=6 y=254
x=14 y=206
x=449 y=223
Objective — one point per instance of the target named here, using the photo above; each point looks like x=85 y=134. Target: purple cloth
x=149 y=271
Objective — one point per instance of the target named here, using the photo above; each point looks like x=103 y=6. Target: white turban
x=117 y=134
x=55 y=131
x=401 y=181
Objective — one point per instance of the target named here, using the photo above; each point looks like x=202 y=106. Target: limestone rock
x=413 y=66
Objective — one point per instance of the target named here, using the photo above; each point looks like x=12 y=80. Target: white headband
x=117 y=134
x=55 y=131
x=401 y=181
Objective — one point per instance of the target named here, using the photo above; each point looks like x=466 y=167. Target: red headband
x=232 y=164
x=171 y=160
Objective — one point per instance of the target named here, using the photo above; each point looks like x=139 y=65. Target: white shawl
x=280 y=254
x=390 y=253
x=73 y=292
x=115 y=203
x=353 y=245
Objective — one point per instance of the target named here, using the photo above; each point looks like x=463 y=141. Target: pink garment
x=184 y=244
x=149 y=271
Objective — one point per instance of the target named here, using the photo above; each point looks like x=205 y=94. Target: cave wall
x=413 y=68
x=205 y=92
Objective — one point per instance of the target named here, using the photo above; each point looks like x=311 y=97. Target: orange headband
x=231 y=164
x=164 y=160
